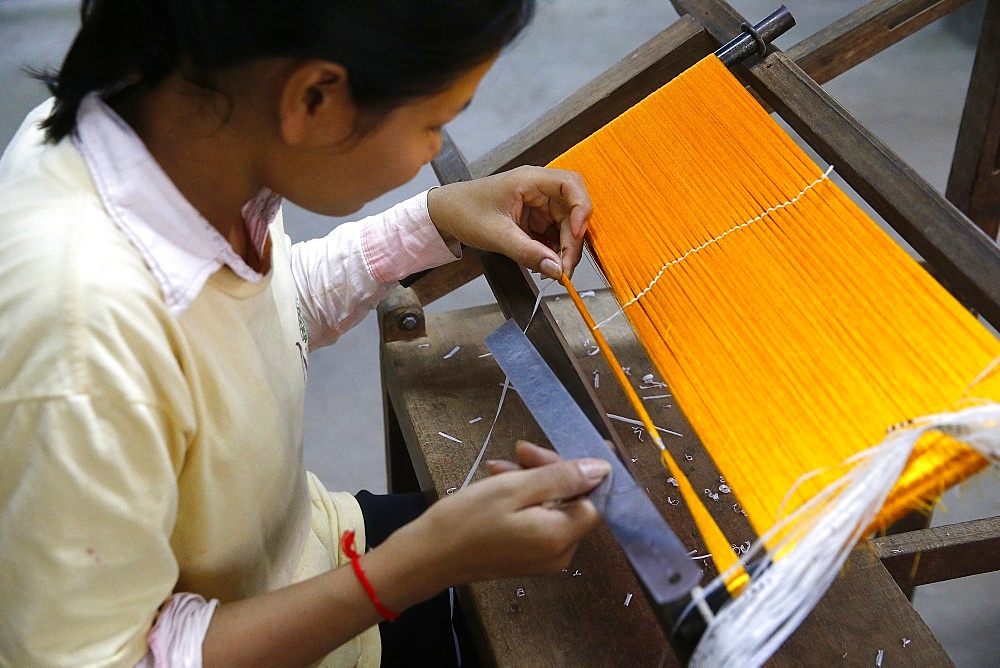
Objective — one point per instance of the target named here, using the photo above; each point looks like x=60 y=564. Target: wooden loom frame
x=957 y=251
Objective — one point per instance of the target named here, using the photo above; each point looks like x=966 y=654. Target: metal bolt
x=408 y=322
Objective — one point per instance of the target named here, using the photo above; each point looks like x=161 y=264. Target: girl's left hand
x=533 y=215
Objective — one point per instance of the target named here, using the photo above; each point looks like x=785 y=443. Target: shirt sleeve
x=343 y=275
x=179 y=632
x=84 y=536
x=88 y=485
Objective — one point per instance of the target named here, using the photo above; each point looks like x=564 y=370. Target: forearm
x=343 y=275
x=302 y=623
x=503 y=526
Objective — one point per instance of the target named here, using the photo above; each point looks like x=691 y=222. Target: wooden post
x=400 y=318
x=863 y=33
x=974 y=182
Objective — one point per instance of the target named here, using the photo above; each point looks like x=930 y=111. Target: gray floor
x=910 y=96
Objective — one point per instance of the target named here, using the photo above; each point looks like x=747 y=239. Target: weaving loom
x=783 y=262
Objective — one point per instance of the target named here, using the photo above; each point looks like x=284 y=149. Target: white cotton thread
x=708 y=243
x=817 y=537
x=698 y=597
x=638 y=423
x=985 y=373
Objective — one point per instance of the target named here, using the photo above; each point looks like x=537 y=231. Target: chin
x=345 y=208
x=334 y=209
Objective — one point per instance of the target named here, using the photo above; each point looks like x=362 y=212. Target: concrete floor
x=911 y=96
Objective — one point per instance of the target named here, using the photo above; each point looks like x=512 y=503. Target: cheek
x=416 y=155
x=434 y=146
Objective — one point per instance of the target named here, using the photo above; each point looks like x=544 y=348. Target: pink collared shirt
x=182 y=249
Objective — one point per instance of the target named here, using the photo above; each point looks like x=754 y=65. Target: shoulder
x=73 y=290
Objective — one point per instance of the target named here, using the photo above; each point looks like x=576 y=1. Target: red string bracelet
x=352 y=553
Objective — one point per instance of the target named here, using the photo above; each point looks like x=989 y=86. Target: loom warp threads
x=792 y=331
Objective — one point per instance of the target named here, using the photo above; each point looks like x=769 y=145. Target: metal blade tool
x=657 y=556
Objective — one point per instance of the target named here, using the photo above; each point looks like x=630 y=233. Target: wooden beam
x=941 y=553
x=974 y=182
x=863 y=33
x=831 y=51
x=436 y=283
x=913 y=521
x=608 y=95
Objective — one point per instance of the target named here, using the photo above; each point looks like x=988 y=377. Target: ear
x=316 y=106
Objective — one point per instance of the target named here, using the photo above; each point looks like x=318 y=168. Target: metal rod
x=755 y=39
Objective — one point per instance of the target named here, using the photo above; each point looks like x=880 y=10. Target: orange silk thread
x=799 y=331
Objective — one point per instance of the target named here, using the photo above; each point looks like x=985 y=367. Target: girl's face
x=339 y=177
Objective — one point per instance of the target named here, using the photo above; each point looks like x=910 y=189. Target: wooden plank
x=941 y=553
x=436 y=283
x=863 y=33
x=916 y=520
x=608 y=95
x=398 y=305
x=401 y=478
x=560 y=620
x=568 y=619
x=874 y=620
x=974 y=182
x=961 y=253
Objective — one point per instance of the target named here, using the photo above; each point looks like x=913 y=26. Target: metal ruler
x=657 y=556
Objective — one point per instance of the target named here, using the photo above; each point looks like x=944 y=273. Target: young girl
x=156 y=326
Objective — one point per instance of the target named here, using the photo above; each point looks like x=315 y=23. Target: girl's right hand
x=526 y=521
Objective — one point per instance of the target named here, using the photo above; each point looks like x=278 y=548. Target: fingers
x=498 y=466
x=571 y=251
x=531 y=456
x=563 y=191
x=516 y=523
x=527 y=252
x=534 y=215
x=547 y=477
x=528 y=456
x=561 y=480
x=558 y=206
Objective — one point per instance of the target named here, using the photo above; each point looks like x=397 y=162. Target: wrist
x=347 y=543
x=405 y=569
x=436 y=201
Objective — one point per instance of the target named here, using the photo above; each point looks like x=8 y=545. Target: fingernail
x=594 y=469
x=550 y=268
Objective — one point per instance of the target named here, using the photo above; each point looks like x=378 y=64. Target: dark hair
x=394 y=50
